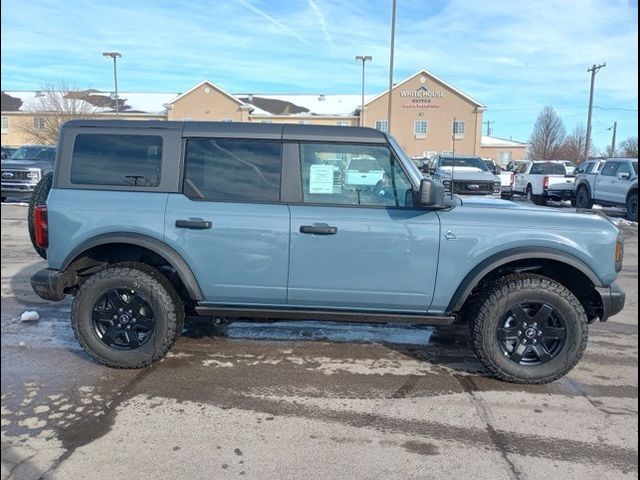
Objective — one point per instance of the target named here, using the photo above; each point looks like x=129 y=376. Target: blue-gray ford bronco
x=146 y=222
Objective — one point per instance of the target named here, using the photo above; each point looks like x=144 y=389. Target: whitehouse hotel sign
x=421 y=97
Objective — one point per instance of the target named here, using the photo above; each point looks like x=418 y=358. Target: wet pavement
x=315 y=400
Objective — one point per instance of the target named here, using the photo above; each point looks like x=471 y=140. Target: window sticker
x=321 y=179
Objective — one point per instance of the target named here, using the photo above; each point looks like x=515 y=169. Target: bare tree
x=55 y=104
x=629 y=147
x=548 y=135
x=574 y=145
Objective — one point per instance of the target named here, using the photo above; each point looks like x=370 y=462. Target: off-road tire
x=583 y=199
x=632 y=207
x=490 y=305
x=39 y=197
x=164 y=300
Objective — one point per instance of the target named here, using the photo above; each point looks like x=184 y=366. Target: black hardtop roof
x=254 y=130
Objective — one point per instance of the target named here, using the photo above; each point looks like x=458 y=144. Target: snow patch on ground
x=624 y=221
x=30 y=316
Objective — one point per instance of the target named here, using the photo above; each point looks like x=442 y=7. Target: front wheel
x=632 y=207
x=127 y=315
x=528 y=329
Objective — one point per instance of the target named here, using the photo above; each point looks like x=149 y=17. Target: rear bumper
x=50 y=284
x=613 y=299
x=560 y=195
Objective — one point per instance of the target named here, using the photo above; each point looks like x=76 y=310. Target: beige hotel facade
x=429 y=116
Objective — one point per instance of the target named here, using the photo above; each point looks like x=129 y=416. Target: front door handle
x=194 y=224
x=318 y=229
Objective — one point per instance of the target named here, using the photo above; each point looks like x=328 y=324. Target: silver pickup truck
x=616 y=185
x=23 y=170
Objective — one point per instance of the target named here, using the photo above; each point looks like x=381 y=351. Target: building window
x=420 y=127
x=304 y=122
x=38 y=123
x=504 y=158
x=458 y=129
x=382 y=125
x=266 y=121
x=342 y=123
x=188 y=119
x=5 y=124
x=226 y=120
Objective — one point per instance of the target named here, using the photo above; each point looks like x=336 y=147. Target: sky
x=513 y=56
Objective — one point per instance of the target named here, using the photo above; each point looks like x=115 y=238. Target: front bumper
x=50 y=284
x=613 y=299
x=18 y=190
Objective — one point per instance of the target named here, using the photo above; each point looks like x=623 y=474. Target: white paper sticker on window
x=321 y=179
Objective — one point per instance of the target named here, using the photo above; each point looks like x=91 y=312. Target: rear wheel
x=583 y=199
x=528 y=329
x=39 y=197
x=128 y=315
x=632 y=207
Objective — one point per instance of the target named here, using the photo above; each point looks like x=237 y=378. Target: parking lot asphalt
x=294 y=400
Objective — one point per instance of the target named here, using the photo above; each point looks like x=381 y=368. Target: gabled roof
x=275 y=106
x=437 y=79
x=211 y=85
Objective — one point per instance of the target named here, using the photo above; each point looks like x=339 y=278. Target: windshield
x=34 y=153
x=548 y=168
x=469 y=162
x=635 y=167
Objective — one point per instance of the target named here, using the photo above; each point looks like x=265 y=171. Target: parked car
x=363 y=172
x=545 y=180
x=7 y=152
x=615 y=185
x=507 y=179
x=229 y=220
x=24 y=169
x=465 y=175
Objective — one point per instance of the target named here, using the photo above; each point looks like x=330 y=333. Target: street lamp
x=363 y=59
x=115 y=56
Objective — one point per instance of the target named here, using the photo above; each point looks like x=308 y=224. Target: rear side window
x=119 y=160
x=548 y=169
x=233 y=170
x=609 y=169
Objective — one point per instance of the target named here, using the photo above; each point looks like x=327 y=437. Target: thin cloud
x=321 y=20
x=274 y=21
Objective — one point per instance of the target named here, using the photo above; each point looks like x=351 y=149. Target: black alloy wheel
x=123 y=319
x=532 y=334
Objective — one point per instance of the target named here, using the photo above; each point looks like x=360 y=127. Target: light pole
x=363 y=59
x=613 y=138
x=115 y=56
x=391 y=49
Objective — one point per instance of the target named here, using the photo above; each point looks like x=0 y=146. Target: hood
x=41 y=164
x=467 y=174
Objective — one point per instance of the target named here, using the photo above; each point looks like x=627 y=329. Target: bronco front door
x=359 y=247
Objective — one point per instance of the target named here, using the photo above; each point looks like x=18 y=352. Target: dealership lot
x=307 y=399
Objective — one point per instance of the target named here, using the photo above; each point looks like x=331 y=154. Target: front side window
x=609 y=169
x=522 y=168
x=119 y=160
x=382 y=125
x=233 y=170
x=353 y=175
x=420 y=127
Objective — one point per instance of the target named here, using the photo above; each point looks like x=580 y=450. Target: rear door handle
x=194 y=224
x=321 y=229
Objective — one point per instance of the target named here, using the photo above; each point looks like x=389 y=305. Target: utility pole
x=393 y=37
x=613 y=139
x=594 y=69
x=363 y=59
x=488 y=122
x=115 y=56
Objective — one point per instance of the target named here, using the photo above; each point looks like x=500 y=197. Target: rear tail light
x=41 y=226
x=545 y=183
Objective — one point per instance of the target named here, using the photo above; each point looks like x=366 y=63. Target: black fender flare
x=475 y=276
x=174 y=258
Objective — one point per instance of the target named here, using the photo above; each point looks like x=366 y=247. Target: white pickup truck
x=507 y=178
x=540 y=181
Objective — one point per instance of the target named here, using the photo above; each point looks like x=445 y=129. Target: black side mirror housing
x=431 y=194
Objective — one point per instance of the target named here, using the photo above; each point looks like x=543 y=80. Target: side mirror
x=431 y=194
x=425 y=168
x=624 y=176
